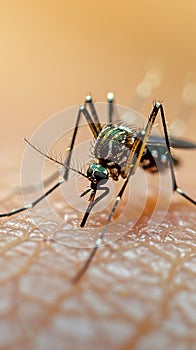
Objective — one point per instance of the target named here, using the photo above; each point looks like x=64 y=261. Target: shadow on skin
x=139 y=292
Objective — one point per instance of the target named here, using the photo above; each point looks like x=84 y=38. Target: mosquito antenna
x=53 y=159
x=43 y=154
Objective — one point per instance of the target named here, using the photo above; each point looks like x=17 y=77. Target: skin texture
x=139 y=292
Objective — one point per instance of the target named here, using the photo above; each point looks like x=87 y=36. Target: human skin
x=138 y=293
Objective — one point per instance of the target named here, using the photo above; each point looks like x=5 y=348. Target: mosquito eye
x=100 y=176
x=89 y=172
x=97 y=172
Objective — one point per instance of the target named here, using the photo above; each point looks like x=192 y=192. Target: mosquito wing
x=174 y=141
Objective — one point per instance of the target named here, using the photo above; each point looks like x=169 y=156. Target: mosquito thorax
x=96 y=173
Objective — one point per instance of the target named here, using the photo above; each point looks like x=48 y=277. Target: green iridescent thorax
x=112 y=148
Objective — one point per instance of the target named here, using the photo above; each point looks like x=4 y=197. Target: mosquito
x=118 y=151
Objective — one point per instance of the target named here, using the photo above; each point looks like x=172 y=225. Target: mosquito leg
x=94 y=114
x=70 y=149
x=35 y=202
x=110 y=98
x=134 y=158
x=174 y=182
x=101 y=235
x=97 y=244
x=117 y=200
x=93 y=128
x=93 y=201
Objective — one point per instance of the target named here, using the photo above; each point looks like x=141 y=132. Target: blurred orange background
x=55 y=52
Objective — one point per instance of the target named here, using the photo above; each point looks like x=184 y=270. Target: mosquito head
x=97 y=173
